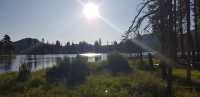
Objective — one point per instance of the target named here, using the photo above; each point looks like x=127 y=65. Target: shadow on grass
x=183 y=83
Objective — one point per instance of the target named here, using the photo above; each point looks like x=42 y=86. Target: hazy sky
x=63 y=20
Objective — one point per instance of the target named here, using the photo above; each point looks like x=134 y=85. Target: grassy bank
x=139 y=82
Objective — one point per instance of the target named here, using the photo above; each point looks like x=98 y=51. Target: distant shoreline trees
x=34 y=46
x=6 y=46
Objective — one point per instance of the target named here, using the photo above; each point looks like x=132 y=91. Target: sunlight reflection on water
x=90 y=54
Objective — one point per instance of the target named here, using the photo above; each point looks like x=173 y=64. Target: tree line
x=6 y=46
x=34 y=46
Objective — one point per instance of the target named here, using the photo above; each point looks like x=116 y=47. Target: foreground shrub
x=59 y=72
x=136 y=64
x=24 y=73
x=69 y=73
x=117 y=64
x=139 y=84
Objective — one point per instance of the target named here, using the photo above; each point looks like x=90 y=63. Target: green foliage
x=69 y=73
x=59 y=73
x=102 y=86
x=181 y=73
x=136 y=64
x=182 y=92
x=145 y=67
x=35 y=87
x=24 y=73
x=139 y=84
x=117 y=64
x=97 y=67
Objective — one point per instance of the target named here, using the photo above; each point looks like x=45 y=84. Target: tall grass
x=138 y=83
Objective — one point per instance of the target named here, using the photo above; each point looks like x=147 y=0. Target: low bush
x=117 y=64
x=136 y=64
x=69 y=73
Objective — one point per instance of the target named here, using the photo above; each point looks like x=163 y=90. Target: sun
x=91 y=10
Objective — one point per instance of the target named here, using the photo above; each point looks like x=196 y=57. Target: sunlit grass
x=138 y=83
x=184 y=89
x=180 y=72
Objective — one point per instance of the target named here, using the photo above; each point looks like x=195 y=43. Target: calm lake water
x=37 y=62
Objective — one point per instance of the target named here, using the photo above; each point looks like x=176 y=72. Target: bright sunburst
x=91 y=10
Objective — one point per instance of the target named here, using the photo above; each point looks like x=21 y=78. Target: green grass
x=123 y=86
x=178 y=72
x=35 y=87
x=182 y=88
x=139 y=83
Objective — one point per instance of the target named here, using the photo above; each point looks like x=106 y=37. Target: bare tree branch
x=138 y=21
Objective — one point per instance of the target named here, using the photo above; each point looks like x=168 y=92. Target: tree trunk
x=162 y=29
x=197 y=54
x=169 y=81
x=150 y=60
x=141 y=57
x=181 y=30
x=188 y=73
x=171 y=43
x=196 y=25
x=190 y=42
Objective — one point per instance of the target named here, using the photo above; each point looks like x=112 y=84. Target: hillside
x=25 y=45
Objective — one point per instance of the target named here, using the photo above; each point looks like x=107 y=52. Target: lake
x=37 y=62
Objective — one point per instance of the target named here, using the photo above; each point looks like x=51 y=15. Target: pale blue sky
x=63 y=20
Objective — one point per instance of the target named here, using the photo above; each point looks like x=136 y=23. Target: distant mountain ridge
x=23 y=45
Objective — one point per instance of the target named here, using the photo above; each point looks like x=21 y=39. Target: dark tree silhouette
x=7 y=46
x=162 y=16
